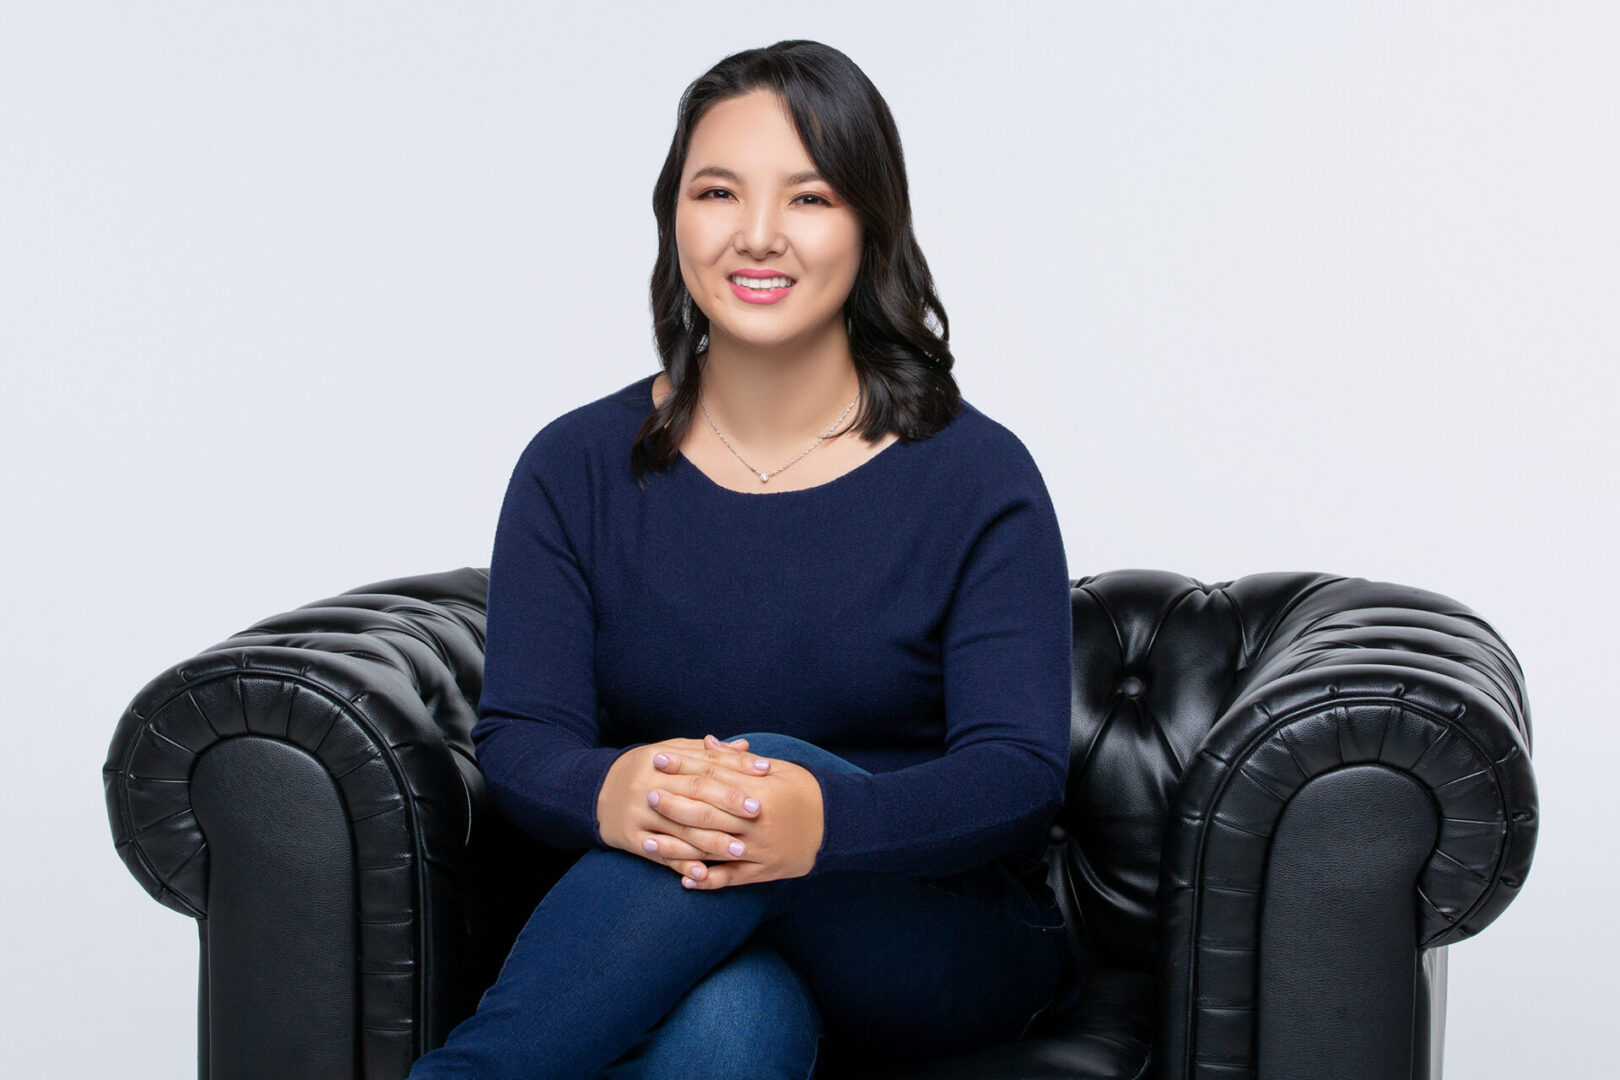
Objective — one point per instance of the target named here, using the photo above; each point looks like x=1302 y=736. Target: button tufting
x=1131 y=687
x=1058 y=834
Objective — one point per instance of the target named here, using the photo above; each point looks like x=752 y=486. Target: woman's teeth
x=763 y=283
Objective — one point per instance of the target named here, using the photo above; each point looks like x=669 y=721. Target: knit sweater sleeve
x=1007 y=651
x=537 y=736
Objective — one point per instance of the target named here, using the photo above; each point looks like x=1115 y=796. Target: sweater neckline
x=703 y=479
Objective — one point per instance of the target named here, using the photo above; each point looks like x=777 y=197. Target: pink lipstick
x=759 y=296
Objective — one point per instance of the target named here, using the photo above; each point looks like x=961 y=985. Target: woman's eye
x=723 y=191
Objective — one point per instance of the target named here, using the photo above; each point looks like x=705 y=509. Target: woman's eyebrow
x=726 y=174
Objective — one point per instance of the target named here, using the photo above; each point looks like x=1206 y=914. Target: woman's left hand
x=781 y=841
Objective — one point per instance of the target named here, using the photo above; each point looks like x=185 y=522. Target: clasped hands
x=682 y=801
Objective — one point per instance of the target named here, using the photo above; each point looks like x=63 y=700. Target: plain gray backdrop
x=285 y=288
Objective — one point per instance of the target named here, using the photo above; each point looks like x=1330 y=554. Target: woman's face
x=750 y=199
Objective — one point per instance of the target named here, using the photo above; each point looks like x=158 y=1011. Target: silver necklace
x=765 y=476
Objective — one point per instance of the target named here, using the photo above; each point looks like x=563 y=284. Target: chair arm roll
x=1427 y=690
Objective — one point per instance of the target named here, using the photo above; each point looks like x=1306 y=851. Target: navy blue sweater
x=911 y=615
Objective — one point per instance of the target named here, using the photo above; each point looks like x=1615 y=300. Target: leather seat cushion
x=1106 y=1036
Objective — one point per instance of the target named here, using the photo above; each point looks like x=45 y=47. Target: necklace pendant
x=763 y=477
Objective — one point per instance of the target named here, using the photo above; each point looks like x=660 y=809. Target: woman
x=797 y=530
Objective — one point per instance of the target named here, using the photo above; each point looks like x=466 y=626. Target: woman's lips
x=758 y=296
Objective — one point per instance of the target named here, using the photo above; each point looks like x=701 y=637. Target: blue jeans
x=623 y=974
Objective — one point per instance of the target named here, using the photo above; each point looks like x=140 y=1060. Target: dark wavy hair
x=904 y=366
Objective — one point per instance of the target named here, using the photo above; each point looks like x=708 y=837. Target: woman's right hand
x=628 y=822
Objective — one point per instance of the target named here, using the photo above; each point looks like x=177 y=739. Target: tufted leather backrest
x=1156 y=656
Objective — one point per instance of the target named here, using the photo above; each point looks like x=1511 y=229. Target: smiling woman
x=845 y=561
x=786 y=164
x=772 y=199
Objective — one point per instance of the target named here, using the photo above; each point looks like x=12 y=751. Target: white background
x=285 y=288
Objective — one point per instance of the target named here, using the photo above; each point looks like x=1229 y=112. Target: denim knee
x=768 y=742
x=751 y=1018
x=794 y=749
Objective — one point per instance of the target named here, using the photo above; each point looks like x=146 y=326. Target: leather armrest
x=377 y=688
x=1353 y=672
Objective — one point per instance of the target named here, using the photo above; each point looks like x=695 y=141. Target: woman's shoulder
x=609 y=420
x=978 y=445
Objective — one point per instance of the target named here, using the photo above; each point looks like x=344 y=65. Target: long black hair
x=903 y=365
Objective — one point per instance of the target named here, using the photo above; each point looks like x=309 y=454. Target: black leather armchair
x=1289 y=794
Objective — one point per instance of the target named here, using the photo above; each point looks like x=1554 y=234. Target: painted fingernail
x=736 y=847
x=652 y=797
x=697 y=870
x=661 y=760
x=751 y=805
x=650 y=844
x=761 y=764
x=688 y=882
